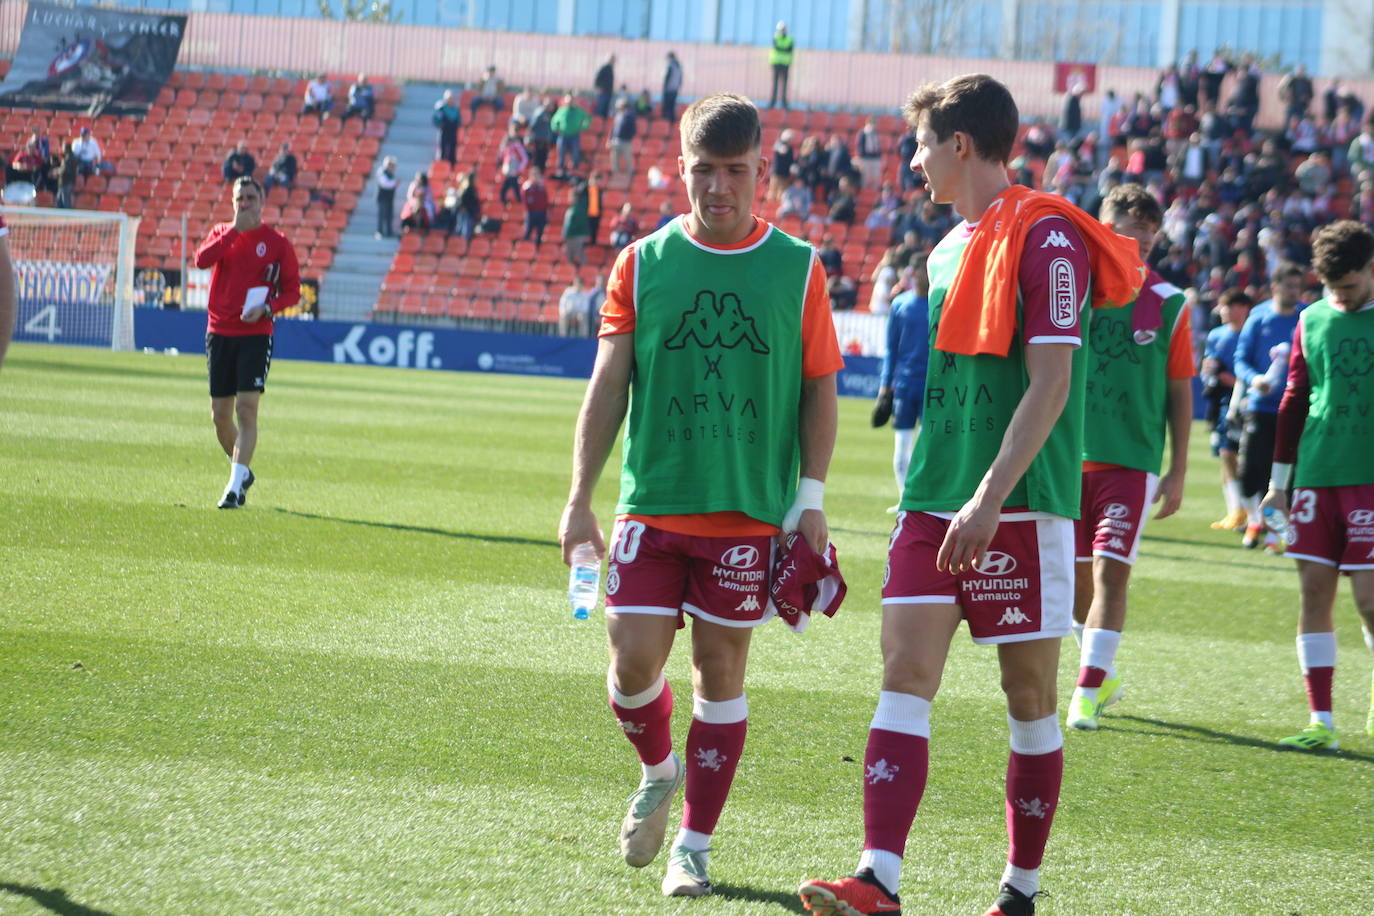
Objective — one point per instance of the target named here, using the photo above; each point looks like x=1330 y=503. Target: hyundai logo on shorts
x=997 y=563
x=741 y=556
x=1361 y=517
x=1116 y=510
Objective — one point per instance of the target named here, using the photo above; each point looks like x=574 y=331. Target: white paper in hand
x=256 y=298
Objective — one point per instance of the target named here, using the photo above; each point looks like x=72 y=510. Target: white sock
x=690 y=839
x=901 y=456
x=1231 y=489
x=886 y=866
x=238 y=473
x=1099 y=649
x=720 y=712
x=1251 y=506
x=635 y=700
x=1077 y=632
x=904 y=713
x=1038 y=736
x=664 y=769
x=1325 y=718
x=1316 y=650
x=1368 y=639
x=1025 y=880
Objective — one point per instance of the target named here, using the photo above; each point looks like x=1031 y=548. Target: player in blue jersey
x=903 y=383
x=1262 y=366
x=1218 y=383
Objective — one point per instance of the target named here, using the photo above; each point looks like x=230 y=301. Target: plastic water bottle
x=1278 y=366
x=1274 y=520
x=584 y=580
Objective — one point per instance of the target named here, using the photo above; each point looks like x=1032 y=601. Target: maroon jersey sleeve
x=1293 y=407
x=4 y=230
x=216 y=244
x=1054 y=279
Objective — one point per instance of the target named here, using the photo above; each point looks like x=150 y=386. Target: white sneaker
x=641 y=833
x=686 y=875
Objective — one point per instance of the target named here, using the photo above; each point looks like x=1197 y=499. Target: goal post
x=75 y=273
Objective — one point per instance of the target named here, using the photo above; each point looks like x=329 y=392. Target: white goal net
x=75 y=272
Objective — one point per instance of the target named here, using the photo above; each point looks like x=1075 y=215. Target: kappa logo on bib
x=717 y=321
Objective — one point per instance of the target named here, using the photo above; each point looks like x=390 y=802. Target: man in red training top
x=255 y=274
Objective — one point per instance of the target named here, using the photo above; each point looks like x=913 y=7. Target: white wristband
x=1280 y=476
x=810 y=495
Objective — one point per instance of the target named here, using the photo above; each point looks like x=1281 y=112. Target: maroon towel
x=805 y=581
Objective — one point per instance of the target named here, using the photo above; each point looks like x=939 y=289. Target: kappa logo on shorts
x=1063 y=294
x=1361 y=517
x=1013 y=616
x=1116 y=510
x=612 y=579
x=1116 y=544
x=996 y=563
x=749 y=604
x=741 y=556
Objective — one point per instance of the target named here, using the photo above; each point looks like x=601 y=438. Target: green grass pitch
x=364 y=693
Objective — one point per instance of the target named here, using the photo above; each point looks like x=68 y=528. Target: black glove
x=882 y=409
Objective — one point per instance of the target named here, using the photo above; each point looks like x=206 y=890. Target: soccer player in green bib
x=1140 y=372
x=717 y=341
x=985 y=531
x=1326 y=426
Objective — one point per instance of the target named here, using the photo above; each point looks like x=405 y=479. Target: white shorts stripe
x=768 y=614
x=1324 y=561
x=642 y=609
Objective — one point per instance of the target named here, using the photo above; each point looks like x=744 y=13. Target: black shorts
x=1257 y=452
x=237 y=363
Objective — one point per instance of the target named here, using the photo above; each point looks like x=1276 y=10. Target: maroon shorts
x=1116 y=503
x=723 y=580
x=1021 y=590
x=1333 y=526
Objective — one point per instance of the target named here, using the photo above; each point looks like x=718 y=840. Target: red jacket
x=241 y=261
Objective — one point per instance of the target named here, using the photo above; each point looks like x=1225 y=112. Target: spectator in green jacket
x=569 y=121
